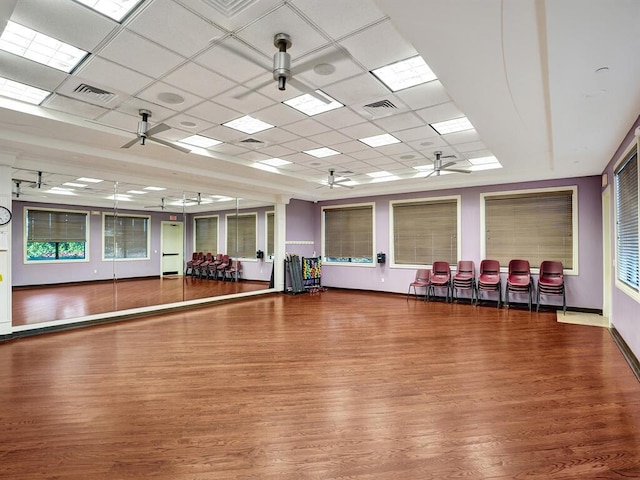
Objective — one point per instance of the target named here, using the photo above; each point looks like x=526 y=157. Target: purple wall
x=302 y=223
x=583 y=290
x=625 y=310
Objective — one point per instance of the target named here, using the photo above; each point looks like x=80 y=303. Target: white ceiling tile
x=304 y=37
x=339 y=118
x=75 y=107
x=245 y=104
x=381 y=162
x=378 y=46
x=440 y=113
x=198 y=80
x=101 y=71
x=362 y=130
x=277 y=151
x=275 y=136
x=470 y=147
x=67 y=21
x=402 y=121
x=329 y=138
x=294 y=167
x=167 y=23
x=313 y=70
x=301 y=145
x=424 y=95
x=120 y=120
x=461 y=137
x=222 y=59
x=224 y=134
x=365 y=154
x=355 y=166
x=232 y=20
x=417 y=133
x=140 y=54
x=357 y=90
x=428 y=144
x=350 y=146
x=395 y=149
x=133 y=105
x=154 y=94
x=280 y=114
x=337 y=17
x=306 y=127
x=31 y=73
x=228 y=149
x=200 y=125
x=174 y=134
x=213 y=112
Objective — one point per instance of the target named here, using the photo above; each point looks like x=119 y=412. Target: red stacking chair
x=202 y=268
x=465 y=279
x=551 y=282
x=489 y=279
x=232 y=272
x=212 y=268
x=519 y=280
x=189 y=269
x=196 y=263
x=422 y=280
x=221 y=267
x=440 y=278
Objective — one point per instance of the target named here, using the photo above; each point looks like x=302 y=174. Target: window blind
x=206 y=234
x=348 y=233
x=425 y=232
x=270 y=233
x=626 y=182
x=126 y=237
x=530 y=226
x=54 y=226
x=241 y=235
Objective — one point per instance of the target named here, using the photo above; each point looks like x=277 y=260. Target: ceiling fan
x=281 y=68
x=162 y=206
x=333 y=182
x=37 y=183
x=145 y=133
x=438 y=166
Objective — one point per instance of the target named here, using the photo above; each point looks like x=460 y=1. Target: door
x=172 y=248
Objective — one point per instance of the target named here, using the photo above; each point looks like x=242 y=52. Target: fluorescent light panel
x=276 y=162
x=89 y=180
x=115 y=9
x=22 y=92
x=248 y=125
x=154 y=189
x=310 y=105
x=200 y=141
x=452 y=126
x=379 y=140
x=404 y=74
x=137 y=192
x=321 y=152
x=483 y=160
x=72 y=184
x=41 y=48
x=388 y=178
x=119 y=196
x=379 y=174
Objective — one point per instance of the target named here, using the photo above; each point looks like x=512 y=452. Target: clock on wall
x=5 y=215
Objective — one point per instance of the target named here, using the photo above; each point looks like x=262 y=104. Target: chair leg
x=506 y=296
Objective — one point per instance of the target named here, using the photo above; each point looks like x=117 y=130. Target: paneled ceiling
x=550 y=87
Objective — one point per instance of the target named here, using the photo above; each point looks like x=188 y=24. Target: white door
x=172 y=248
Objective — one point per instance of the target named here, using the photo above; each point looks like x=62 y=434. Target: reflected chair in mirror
x=195 y=264
x=422 y=280
x=440 y=278
x=233 y=271
x=465 y=279
x=551 y=282
x=489 y=279
x=519 y=280
x=189 y=269
x=221 y=267
x=212 y=268
x=202 y=269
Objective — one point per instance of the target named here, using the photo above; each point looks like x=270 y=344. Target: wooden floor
x=337 y=385
x=46 y=303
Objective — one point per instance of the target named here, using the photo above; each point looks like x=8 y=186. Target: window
x=626 y=184
x=55 y=235
x=348 y=234
x=206 y=234
x=533 y=225
x=241 y=235
x=126 y=237
x=271 y=249
x=425 y=231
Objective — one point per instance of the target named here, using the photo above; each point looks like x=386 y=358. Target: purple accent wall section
x=625 y=310
x=583 y=290
x=302 y=224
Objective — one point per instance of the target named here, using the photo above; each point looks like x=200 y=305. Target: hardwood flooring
x=337 y=385
x=43 y=304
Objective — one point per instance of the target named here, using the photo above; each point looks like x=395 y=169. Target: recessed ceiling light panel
x=379 y=140
x=310 y=105
x=276 y=162
x=114 y=9
x=404 y=74
x=200 y=141
x=27 y=43
x=73 y=184
x=154 y=189
x=22 y=92
x=452 y=126
x=89 y=180
x=321 y=152
x=248 y=125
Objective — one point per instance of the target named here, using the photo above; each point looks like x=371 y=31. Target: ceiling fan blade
x=306 y=89
x=337 y=184
x=161 y=127
x=240 y=95
x=243 y=55
x=430 y=173
x=457 y=170
x=447 y=165
x=169 y=144
x=131 y=143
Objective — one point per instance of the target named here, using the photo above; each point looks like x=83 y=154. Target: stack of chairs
x=489 y=279
x=233 y=271
x=422 y=280
x=465 y=279
x=440 y=278
x=551 y=282
x=519 y=280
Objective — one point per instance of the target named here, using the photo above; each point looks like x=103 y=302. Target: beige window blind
x=348 y=234
x=54 y=226
x=270 y=233
x=626 y=181
x=206 y=234
x=530 y=226
x=241 y=235
x=425 y=232
x=126 y=237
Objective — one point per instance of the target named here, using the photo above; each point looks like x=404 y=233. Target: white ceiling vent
x=230 y=8
x=251 y=141
x=97 y=94
x=376 y=108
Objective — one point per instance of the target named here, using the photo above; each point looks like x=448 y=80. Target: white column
x=279 y=239
x=6 y=160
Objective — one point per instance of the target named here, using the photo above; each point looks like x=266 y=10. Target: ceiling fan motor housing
x=282 y=60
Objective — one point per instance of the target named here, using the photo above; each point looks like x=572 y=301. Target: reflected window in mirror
x=206 y=234
x=126 y=236
x=242 y=235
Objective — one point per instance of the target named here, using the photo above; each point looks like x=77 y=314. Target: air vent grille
x=230 y=8
x=95 y=93
x=251 y=140
x=376 y=107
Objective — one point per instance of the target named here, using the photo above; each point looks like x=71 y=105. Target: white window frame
x=623 y=287
x=457 y=198
x=87 y=248
x=226 y=230
x=141 y=259
x=266 y=234
x=574 y=221
x=373 y=263
x=194 y=231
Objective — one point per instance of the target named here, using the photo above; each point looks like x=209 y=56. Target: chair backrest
x=194 y=256
x=466 y=266
x=519 y=267
x=209 y=256
x=219 y=257
x=441 y=268
x=423 y=274
x=551 y=268
x=489 y=266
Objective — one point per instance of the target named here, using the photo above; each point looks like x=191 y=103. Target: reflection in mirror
x=138 y=241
